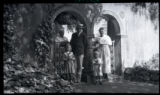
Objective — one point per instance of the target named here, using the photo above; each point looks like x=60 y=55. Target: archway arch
x=117 y=18
x=73 y=11
x=108 y=12
x=77 y=13
x=114 y=29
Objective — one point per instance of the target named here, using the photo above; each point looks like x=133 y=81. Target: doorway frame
x=121 y=35
x=78 y=13
x=74 y=11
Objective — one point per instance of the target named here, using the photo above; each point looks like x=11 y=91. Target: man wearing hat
x=79 y=44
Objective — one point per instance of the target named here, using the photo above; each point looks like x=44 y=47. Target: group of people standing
x=73 y=55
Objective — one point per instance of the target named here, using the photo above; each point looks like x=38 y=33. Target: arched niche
x=114 y=28
x=73 y=11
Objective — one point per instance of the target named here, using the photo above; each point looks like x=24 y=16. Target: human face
x=96 y=55
x=69 y=48
x=101 y=31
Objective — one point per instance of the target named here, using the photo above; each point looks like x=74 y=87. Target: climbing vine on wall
x=150 y=10
x=42 y=41
x=9 y=14
x=22 y=76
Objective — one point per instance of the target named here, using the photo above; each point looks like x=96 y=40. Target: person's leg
x=100 y=80
x=79 y=66
x=94 y=79
x=105 y=76
x=70 y=77
x=67 y=76
x=97 y=79
x=73 y=77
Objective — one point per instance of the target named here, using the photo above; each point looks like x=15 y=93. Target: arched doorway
x=113 y=27
x=73 y=11
x=56 y=18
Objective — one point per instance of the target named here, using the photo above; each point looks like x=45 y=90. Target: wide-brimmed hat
x=80 y=26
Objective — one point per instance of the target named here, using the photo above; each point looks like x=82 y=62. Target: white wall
x=142 y=40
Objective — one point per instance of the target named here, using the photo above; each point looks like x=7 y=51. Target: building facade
x=134 y=36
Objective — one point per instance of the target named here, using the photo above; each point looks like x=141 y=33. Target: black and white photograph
x=81 y=47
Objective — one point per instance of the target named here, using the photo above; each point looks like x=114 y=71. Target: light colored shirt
x=97 y=67
x=106 y=40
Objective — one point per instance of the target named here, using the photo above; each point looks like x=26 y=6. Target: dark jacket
x=79 y=43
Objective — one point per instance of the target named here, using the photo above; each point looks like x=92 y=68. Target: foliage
x=9 y=27
x=39 y=75
x=148 y=9
x=41 y=42
x=91 y=11
x=28 y=77
x=142 y=75
x=152 y=64
x=144 y=72
x=67 y=19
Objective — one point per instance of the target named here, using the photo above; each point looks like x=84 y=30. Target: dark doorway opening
x=113 y=29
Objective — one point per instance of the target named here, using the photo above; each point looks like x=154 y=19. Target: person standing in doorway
x=104 y=43
x=79 y=44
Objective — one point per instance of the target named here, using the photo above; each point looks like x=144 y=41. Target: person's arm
x=72 y=56
x=97 y=44
x=93 y=62
x=65 y=57
x=72 y=42
x=109 y=41
x=100 y=64
x=85 y=42
x=92 y=65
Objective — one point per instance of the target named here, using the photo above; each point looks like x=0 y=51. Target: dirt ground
x=118 y=86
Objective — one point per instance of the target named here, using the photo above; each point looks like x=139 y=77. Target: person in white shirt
x=104 y=41
x=97 y=67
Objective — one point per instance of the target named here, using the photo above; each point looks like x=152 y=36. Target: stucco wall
x=142 y=41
